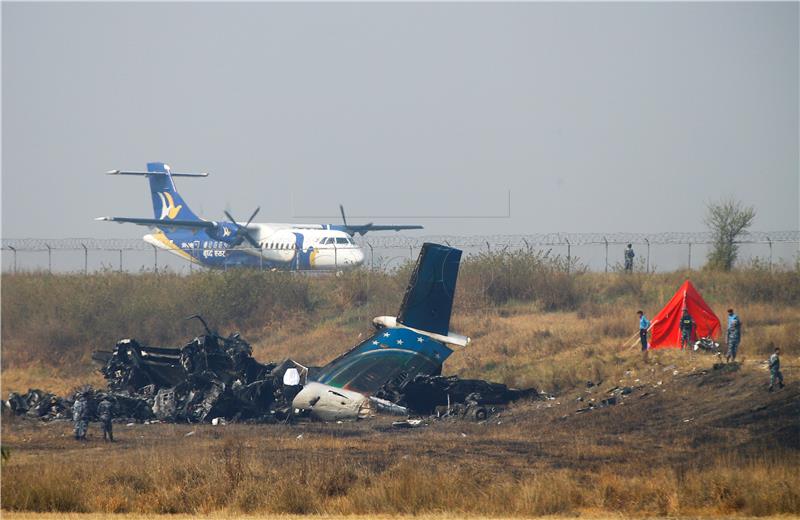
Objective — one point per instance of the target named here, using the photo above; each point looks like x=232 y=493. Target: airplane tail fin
x=167 y=203
x=428 y=301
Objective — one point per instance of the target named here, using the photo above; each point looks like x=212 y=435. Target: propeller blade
x=243 y=233
x=344 y=219
x=252 y=216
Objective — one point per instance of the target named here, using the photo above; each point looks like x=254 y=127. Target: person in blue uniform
x=644 y=324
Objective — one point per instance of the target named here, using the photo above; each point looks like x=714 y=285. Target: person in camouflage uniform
x=105 y=413
x=80 y=416
x=629 y=254
x=775 y=374
x=734 y=335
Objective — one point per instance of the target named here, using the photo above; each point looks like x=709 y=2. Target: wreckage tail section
x=167 y=203
x=428 y=301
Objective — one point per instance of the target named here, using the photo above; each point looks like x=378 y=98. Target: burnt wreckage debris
x=426 y=395
x=216 y=377
x=212 y=376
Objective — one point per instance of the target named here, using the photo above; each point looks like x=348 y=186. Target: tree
x=727 y=219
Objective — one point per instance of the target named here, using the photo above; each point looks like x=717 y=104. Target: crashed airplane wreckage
x=397 y=370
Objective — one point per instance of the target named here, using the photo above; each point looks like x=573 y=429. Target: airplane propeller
x=242 y=230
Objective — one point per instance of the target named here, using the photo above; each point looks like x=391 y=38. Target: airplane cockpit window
x=341 y=240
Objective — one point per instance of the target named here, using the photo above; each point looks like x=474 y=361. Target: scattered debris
x=726 y=367
x=707 y=344
x=408 y=423
x=423 y=394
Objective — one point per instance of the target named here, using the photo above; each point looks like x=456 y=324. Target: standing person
x=105 y=412
x=734 y=335
x=775 y=369
x=687 y=327
x=629 y=254
x=644 y=324
x=80 y=414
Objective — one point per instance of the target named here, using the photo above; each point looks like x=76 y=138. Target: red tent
x=665 y=331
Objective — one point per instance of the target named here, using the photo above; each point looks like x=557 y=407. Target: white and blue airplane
x=222 y=244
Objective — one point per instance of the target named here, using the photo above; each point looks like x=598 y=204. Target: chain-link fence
x=595 y=251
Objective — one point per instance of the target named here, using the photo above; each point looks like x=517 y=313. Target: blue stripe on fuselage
x=212 y=252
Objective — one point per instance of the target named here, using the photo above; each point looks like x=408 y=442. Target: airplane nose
x=358 y=256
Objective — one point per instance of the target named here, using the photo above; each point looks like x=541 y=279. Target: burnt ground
x=668 y=419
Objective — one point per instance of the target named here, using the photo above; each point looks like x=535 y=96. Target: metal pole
x=191 y=262
x=527 y=245
x=690 y=256
x=15 y=258
x=155 y=259
x=606 y=242
x=411 y=252
x=261 y=258
x=648 y=255
x=85 y=259
x=371 y=257
x=49 y=259
x=769 y=240
x=569 y=254
x=120 y=260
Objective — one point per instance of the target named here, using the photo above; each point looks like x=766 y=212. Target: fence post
x=371 y=257
x=85 y=259
x=191 y=261
x=569 y=253
x=527 y=245
x=769 y=241
x=690 y=256
x=49 y=258
x=606 y=242
x=120 y=260
x=15 y=258
x=488 y=247
x=410 y=252
x=648 y=255
x=261 y=257
x=155 y=258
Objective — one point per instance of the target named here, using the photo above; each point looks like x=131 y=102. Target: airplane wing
x=363 y=229
x=155 y=222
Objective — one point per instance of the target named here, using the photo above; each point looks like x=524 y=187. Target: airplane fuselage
x=281 y=246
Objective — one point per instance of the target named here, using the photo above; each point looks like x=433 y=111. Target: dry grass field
x=689 y=440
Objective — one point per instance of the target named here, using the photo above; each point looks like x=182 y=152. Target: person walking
x=687 y=327
x=629 y=254
x=734 y=336
x=644 y=324
x=106 y=414
x=775 y=374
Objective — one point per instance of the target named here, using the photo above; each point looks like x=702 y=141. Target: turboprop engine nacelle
x=329 y=403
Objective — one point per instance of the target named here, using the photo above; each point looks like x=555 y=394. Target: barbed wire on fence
x=403 y=241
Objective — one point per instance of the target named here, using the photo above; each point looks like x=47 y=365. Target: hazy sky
x=597 y=117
